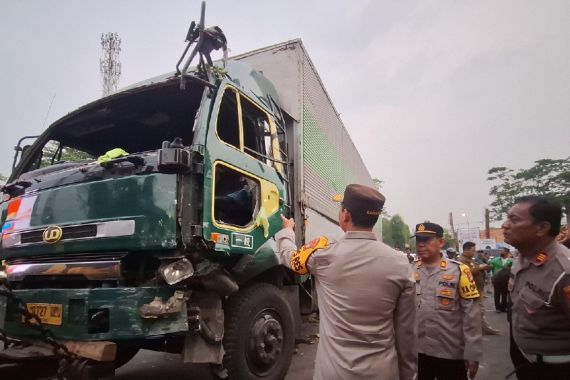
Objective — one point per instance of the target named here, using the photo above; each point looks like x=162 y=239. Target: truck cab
x=147 y=217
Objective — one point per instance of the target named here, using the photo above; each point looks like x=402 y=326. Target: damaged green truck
x=166 y=241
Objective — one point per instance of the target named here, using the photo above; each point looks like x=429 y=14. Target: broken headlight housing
x=176 y=271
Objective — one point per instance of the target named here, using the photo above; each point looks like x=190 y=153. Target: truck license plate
x=49 y=314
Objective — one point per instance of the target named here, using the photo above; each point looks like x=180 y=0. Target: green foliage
x=377 y=183
x=448 y=238
x=395 y=232
x=547 y=177
x=387 y=232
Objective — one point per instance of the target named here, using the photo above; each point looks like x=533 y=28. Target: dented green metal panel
x=148 y=200
x=123 y=304
x=255 y=87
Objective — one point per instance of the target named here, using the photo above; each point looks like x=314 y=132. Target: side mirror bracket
x=173 y=158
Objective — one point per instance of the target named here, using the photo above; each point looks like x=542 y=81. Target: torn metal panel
x=220 y=282
x=158 y=309
x=199 y=347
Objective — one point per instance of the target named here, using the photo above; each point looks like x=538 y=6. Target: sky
x=433 y=93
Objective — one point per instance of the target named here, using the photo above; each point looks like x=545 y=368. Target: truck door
x=244 y=175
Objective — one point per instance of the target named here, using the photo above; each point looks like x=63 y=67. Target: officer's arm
x=299 y=260
x=472 y=334
x=477 y=268
x=286 y=246
x=404 y=325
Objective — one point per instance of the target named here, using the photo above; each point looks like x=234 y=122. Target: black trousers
x=501 y=297
x=431 y=368
x=532 y=371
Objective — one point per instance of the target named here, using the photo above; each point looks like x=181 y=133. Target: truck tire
x=259 y=336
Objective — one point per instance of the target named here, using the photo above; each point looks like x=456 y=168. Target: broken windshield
x=135 y=121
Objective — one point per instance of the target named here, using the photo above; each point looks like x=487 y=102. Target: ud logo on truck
x=52 y=234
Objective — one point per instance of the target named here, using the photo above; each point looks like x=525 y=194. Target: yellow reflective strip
x=269 y=197
x=240 y=118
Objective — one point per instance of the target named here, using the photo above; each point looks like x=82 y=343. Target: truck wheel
x=259 y=336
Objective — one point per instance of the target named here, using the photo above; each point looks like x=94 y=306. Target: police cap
x=428 y=229
x=362 y=200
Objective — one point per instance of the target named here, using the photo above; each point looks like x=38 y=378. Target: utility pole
x=453 y=232
x=487 y=229
x=109 y=64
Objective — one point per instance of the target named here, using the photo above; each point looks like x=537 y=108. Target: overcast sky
x=433 y=93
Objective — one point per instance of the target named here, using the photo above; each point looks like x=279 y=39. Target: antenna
x=49 y=109
x=206 y=40
x=109 y=64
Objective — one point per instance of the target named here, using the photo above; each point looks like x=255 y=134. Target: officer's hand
x=288 y=223
x=471 y=368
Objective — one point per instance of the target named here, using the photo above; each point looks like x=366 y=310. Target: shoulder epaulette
x=298 y=262
x=455 y=261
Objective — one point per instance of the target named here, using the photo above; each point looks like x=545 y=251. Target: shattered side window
x=256 y=133
x=228 y=121
x=236 y=197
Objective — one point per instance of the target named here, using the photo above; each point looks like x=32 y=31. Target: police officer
x=478 y=270
x=365 y=293
x=540 y=290
x=448 y=317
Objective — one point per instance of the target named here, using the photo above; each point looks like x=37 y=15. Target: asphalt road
x=495 y=365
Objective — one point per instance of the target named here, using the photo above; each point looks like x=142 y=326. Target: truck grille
x=67 y=258
x=71 y=232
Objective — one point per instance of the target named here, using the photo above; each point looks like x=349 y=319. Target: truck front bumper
x=100 y=314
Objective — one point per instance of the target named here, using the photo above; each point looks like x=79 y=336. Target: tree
x=547 y=177
x=400 y=231
x=395 y=232
x=377 y=183
x=387 y=232
x=2 y=179
x=448 y=239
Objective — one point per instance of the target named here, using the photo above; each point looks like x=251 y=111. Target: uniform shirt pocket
x=531 y=302
x=446 y=297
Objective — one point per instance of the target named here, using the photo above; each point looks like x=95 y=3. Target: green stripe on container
x=320 y=155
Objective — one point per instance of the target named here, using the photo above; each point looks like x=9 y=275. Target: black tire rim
x=265 y=342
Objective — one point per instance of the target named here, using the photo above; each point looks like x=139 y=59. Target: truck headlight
x=176 y=271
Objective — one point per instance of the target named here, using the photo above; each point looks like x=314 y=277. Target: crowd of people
x=382 y=317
